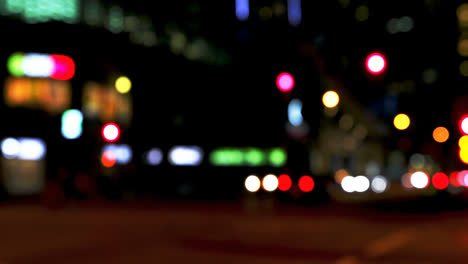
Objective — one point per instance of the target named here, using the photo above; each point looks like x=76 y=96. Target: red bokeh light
x=108 y=159
x=306 y=183
x=64 y=67
x=454 y=179
x=440 y=181
x=284 y=182
x=285 y=82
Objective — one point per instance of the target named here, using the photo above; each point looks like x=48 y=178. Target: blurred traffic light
x=376 y=63
x=110 y=132
x=285 y=82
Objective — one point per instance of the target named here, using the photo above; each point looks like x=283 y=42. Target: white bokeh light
x=348 y=184
x=185 y=156
x=10 y=148
x=419 y=180
x=375 y=63
x=270 y=182
x=379 y=184
x=361 y=183
x=252 y=183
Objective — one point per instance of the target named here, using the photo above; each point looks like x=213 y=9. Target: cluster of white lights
x=23 y=148
x=270 y=183
x=349 y=184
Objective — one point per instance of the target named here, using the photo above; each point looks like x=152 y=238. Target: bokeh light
x=123 y=84
x=10 y=148
x=463 y=154
x=462 y=178
x=361 y=183
x=72 y=120
x=110 y=132
x=270 y=182
x=285 y=82
x=379 y=184
x=108 y=159
x=284 y=182
x=401 y=121
x=348 y=184
x=440 y=134
x=464 y=124
x=14 y=64
x=440 y=180
x=278 y=157
x=419 y=180
x=340 y=174
x=154 y=156
x=185 y=155
x=463 y=142
x=362 y=13
x=252 y=183
x=375 y=63
x=306 y=183
x=330 y=99
x=453 y=178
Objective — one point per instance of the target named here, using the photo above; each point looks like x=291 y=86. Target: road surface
x=250 y=231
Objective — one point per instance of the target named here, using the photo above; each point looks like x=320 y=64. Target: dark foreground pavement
x=227 y=232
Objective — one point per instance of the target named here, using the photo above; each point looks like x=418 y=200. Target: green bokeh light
x=278 y=157
x=14 y=64
x=254 y=157
x=227 y=157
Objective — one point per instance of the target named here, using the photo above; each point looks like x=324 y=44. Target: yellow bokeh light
x=463 y=47
x=463 y=154
x=463 y=142
x=440 y=134
x=462 y=14
x=123 y=84
x=362 y=13
x=401 y=121
x=464 y=68
x=330 y=99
